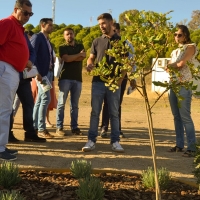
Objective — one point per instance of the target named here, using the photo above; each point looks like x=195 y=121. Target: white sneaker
x=89 y=146
x=117 y=147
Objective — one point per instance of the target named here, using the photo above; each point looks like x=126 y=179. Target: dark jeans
x=25 y=95
x=105 y=112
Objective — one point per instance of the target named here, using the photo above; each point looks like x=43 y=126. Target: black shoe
x=103 y=134
x=34 y=138
x=122 y=135
x=11 y=151
x=7 y=156
x=175 y=149
x=77 y=131
x=12 y=138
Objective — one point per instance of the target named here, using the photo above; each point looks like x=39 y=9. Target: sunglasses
x=178 y=35
x=26 y=13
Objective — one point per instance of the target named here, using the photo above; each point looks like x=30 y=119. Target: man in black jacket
x=25 y=96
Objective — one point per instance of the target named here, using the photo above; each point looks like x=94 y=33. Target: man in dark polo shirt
x=105 y=112
x=99 y=90
x=14 y=56
x=70 y=80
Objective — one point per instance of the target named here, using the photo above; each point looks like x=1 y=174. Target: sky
x=86 y=12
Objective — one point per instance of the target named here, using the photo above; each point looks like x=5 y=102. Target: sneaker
x=45 y=134
x=60 y=132
x=7 y=156
x=34 y=138
x=89 y=146
x=11 y=151
x=103 y=133
x=117 y=147
x=76 y=131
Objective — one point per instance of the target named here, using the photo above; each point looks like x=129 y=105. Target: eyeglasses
x=178 y=35
x=26 y=13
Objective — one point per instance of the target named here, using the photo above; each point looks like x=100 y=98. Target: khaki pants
x=9 y=81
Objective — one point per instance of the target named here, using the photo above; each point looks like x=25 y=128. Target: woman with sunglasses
x=185 y=53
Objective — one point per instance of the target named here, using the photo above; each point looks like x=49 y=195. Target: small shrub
x=148 y=178
x=90 y=188
x=9 y=174
x=11 y=195
x=81 y=168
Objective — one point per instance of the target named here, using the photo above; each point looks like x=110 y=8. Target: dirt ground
x=59 y=153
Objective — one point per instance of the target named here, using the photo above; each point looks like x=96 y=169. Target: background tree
x=195 y=22
x=86 y=35
x=29 y=27
x=63 y=25
x=122 y=17
x=195 y=37
x=82 y=33
x=36 y=29
x=184 y=22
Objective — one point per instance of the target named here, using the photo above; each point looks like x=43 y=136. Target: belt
x=51 y=69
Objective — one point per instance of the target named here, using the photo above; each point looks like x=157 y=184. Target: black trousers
x=105 y=112
x=25 y=95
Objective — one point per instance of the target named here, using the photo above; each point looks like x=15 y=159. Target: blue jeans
x=105 y=113
x=74 y=87
x=9 y=81
x=41 y=105
x=182 y=118
x=99 y=91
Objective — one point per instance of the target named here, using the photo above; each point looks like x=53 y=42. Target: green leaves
x=9 y=174
x=81 y=168
x=90 y=188
x=161 y=84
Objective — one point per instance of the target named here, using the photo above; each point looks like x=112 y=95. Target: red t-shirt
x=13 y=45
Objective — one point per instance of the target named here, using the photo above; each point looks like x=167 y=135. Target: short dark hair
x=185 y=31
x=69 y=29
x=30 y=33
x=107 y=16
x=45 y=20
x=116 y=25
x=20 y=3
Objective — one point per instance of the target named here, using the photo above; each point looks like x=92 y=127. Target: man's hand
x=29 y=65
x=38 y=78
x=133 y=84
x=89 y=67
x=83 y=54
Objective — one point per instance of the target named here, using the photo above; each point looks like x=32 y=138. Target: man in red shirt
x=14 y=55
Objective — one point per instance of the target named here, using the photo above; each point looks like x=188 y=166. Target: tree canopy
x=194 y=24
x=122 y=17
x=86 y=35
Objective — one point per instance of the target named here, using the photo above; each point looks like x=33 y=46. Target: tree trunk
x=151 y=135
